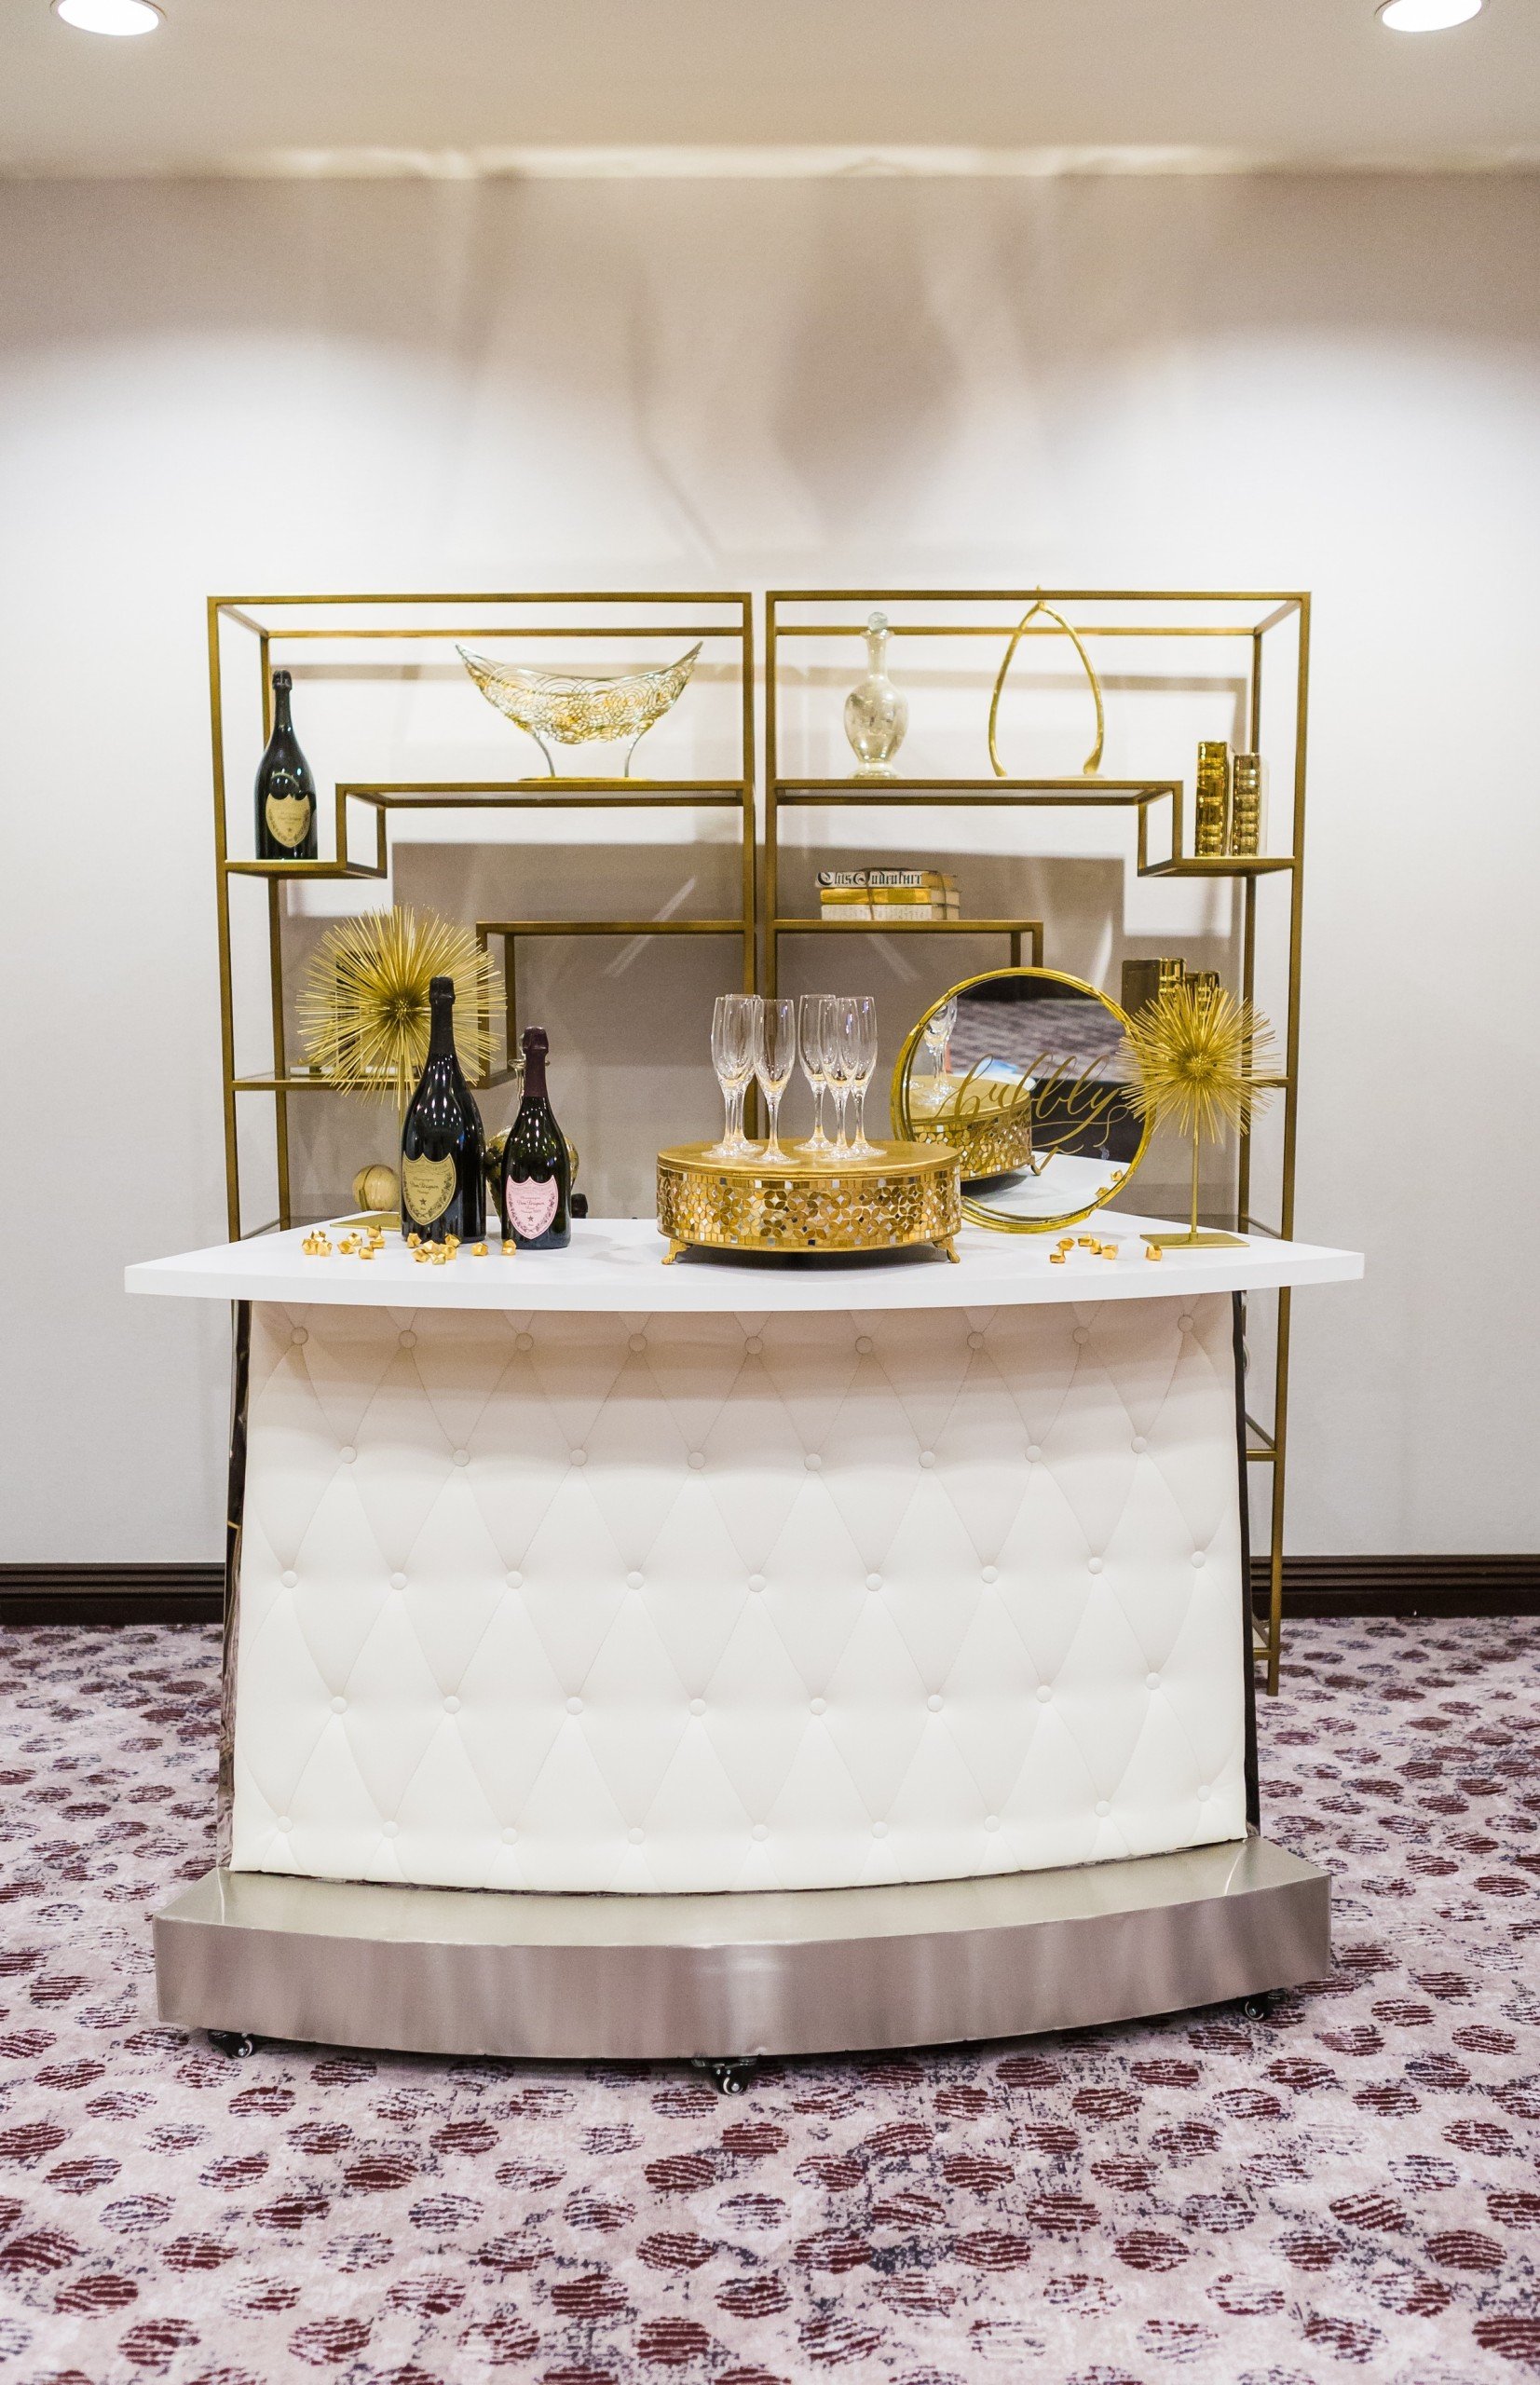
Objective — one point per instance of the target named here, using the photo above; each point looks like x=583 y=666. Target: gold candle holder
x=1211 y=822
x=1245 y=806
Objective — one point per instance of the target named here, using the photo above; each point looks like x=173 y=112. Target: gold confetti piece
x=366 y=1254
x=1153 y=1250
x=509 y=1250
x=1055 y=1258
x=478 y=1250
x=413 y=1241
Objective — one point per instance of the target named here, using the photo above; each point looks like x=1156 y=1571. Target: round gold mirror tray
x=908 y=1193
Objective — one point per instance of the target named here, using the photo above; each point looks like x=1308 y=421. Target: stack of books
x=886 y=896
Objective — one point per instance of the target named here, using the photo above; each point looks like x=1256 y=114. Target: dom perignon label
x=426 y=1187
x=289 y=818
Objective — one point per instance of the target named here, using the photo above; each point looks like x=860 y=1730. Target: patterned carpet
x=1348 y=2189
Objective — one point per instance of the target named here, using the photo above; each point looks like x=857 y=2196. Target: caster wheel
x=1256 y=2007
x=731 y=2077
x=234 y=2042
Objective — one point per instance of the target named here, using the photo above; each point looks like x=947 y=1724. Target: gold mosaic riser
x=866 y=1212
x=986 y=1146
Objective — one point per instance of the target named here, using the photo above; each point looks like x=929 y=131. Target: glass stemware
x=812 y=1010
x=732 y=1041
x=774 y=1060
x=840 y=1058
x=858 y=1027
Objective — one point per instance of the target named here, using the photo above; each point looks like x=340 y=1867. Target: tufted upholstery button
x=975 y=1340
x=697 y=1704
x=990 y=1574
x=760 y=1830
x=299 y=1337
x=398 y=1581
x=514 y=1579
x=874 y=1581
x=697 y=1459
x=1151 y=1681
x=451 y=1705
x=1034 y=1453
x=754 y=1347
x=290 y=1579
x=523 y=1341
x=388 y=1830
x=339 y=1706
x=818 y=1707
x=1203 y=1794
x=633 y=1581
x=992 y=1821
x=1044 y=1693
x=863 y=1345
x=1093 y=1564
x=462 y=1457
x=1080 y=1336
x=934 y=1702
x=1138 y=1444
x=636 y=1836
x=636 y=1345
x=1198 y=1557
x=813 y=1463
x=927 y=1457
x=347 y=1452
x=408 y=1339
x=879 y=1829
x=578 y=1457
x=1185 y=1323
x=756 y=1581
x=1103 y=1809
x=573 y=1705
x=285 y=1823
x=509 y=1834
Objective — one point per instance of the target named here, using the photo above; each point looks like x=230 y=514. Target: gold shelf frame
x=1259 y=614
x=277 y=622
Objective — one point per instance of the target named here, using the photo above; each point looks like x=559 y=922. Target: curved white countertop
x=616 y=1264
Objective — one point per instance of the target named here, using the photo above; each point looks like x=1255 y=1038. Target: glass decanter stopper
x=876 y=714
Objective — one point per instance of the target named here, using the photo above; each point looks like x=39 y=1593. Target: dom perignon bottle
x=285 y=791
x=537 y=1178
x=443 y=1186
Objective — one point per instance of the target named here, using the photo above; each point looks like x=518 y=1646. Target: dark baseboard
x=112 y=1593
x=1312 y=1585
x=1434 y=1586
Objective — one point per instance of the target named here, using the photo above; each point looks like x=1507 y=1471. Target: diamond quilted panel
x=737 y=1601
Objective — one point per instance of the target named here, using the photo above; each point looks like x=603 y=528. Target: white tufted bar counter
x=604 y=1619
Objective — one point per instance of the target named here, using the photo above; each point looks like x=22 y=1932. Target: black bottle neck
x=533 y=1073
x=441 y=1036
x=283 y=725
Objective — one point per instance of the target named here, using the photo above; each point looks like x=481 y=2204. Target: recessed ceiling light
x=1425 y=16
x=109 y=16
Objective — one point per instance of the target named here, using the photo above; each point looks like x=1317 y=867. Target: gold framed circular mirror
x=1026 y=1072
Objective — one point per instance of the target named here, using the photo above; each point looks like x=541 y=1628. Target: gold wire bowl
x=910 y=1194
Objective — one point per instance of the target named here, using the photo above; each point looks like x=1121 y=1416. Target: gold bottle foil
x=1245 y=806
x=1211 y=825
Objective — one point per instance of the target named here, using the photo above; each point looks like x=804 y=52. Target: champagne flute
x=774 y=1060
x=839 y=1061
x=732 y=1023
x=861 y=1027
x=813 y=1035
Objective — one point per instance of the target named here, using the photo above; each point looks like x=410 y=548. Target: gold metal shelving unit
x=1256 y=624
x=278 y=628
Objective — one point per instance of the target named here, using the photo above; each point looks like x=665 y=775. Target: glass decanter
x=876 y=714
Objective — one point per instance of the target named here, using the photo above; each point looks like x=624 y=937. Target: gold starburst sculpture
x=363 y=1006
x=1197 y=1050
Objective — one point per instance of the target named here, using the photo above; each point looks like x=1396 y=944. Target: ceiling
x=467 y=86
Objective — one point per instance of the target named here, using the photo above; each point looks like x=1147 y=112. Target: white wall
x=1330 y=384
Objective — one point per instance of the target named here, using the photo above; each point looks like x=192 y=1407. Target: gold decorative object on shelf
x=1211 y=801
x=377 y=1187
x=363 y=1005
x=1091 y=763
x=1248 y=789
x=1197 y=1049
x=1023 y=1072
x=908 y=1193
x=1144 y=980
x=581 y=708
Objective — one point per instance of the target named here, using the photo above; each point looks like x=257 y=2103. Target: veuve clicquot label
x=426 y=1187
x=289 y=818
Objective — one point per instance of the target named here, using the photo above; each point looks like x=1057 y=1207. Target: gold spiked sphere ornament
x=1197 y=1050
x=363 y=1005
x=576 y=708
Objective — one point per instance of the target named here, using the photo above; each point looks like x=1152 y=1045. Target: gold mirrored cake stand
x=906 y=1194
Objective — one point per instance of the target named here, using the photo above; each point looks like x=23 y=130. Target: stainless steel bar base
x=464 y=1971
